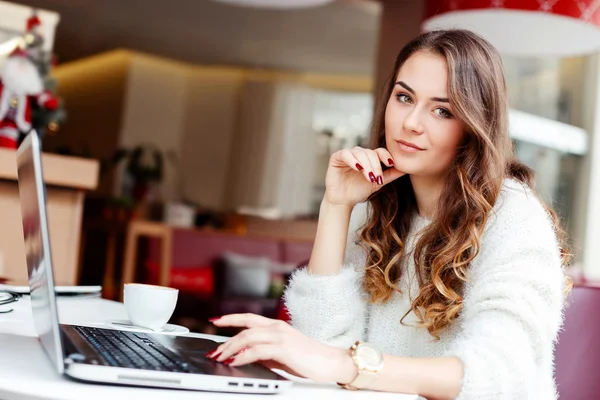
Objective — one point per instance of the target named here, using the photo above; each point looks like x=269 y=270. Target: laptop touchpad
x=195 y=349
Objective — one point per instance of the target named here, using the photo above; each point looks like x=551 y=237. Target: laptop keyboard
x=133 y=350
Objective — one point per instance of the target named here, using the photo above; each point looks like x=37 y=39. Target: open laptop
x=107 y=355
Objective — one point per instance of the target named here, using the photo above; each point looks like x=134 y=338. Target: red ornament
x=523 y=27
x=19 y=52
x=32 y=23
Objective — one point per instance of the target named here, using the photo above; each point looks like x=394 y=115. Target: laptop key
x=118 y=348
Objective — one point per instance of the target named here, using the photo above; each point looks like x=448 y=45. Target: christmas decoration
x=44 y=120
x=32 y=37
x=21 y=89
x=27 y=99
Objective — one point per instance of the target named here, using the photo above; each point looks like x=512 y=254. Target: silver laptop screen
x=37 y=247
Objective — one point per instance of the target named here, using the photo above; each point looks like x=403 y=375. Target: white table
x=26 y=372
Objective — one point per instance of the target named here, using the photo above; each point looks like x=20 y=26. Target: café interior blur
x=191 y=141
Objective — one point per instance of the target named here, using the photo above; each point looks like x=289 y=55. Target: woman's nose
x=412 y=122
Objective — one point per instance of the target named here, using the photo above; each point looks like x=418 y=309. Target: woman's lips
x=408 y=147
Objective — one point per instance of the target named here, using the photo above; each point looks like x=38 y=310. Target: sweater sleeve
x=331 y=308
x=512 y=308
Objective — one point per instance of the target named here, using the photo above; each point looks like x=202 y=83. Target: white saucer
x=126 y=325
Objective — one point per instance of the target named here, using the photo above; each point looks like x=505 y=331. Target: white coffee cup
x=149 y=306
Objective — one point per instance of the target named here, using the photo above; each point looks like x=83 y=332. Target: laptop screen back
x=32 y=193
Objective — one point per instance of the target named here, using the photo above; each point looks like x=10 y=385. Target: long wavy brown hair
x=477 y=90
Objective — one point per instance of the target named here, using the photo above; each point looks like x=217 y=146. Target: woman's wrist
x=327 y=256
x=343 y=369
x=327 y=206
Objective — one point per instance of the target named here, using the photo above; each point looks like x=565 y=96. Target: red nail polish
x=372 y=177
x=390 y=161
x=359 y=167
x=229 y=361
x=380 y=180
x=215 y=355
x=213 y=319
x=210 y=354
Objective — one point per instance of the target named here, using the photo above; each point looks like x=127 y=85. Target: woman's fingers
x=391 y=174
x=367 y=159
x=385 y=156
x=361 y=165
x=368 y=162
x=246 y=340
x=257 y=353
x=376 y=164
x=247 y=320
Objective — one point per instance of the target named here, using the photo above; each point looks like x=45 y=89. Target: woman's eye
x=404 y=98
x=442 y=112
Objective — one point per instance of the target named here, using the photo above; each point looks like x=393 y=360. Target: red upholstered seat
x=577 y=354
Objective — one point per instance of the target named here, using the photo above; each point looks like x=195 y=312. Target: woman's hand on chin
x=354 y=174
x=276 y=344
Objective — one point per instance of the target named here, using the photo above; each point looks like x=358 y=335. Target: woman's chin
x=407 y=168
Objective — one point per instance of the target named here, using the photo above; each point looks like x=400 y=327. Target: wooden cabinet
x=67 y=179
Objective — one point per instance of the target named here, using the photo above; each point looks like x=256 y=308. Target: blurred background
x=190 y=139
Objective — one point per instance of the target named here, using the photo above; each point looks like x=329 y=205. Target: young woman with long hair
x=436 y=269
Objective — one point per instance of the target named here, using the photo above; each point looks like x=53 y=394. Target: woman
x=456 y=276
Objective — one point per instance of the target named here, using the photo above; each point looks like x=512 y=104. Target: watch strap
x=362 y=380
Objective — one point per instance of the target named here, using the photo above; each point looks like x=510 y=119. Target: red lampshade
x=523 y=27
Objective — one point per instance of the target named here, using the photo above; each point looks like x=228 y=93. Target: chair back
x=577 y=353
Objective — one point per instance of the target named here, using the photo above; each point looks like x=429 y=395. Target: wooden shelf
x=66 y=171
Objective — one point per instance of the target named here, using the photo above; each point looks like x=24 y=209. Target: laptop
x=111 y=356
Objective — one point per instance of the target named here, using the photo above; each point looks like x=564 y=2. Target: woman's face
x=419 y=114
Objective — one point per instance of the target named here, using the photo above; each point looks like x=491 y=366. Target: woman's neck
x=427 y=192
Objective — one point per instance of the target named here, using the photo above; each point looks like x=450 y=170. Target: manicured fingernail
x=372 y=177
x=390 y=161
x=359 y=167
x=213 y=319
x=380 y=180
x=229 y=361
x=210 y=354
x=215 y=355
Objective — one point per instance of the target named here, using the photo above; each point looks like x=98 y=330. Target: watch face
x=369 y=356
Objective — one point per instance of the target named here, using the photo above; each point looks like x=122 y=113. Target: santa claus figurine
x=21 y=87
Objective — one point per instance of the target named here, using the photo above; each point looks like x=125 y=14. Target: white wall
x=295 y=169
x=244 y=138
x=154 y=111
x=589 y=216
x=273 y=154
x=13 y=18
x=93 y=91
x=209 y=124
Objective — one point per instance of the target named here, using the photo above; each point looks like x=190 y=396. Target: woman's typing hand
x=276 y=344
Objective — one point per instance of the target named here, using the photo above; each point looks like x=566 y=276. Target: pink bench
x=193 y=248
x=196 y=267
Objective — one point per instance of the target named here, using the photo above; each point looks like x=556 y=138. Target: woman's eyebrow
x=405 y=86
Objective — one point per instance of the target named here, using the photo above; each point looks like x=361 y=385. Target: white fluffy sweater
x=512 y=307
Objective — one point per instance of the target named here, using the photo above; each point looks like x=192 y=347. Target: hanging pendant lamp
x=279 y=4
x=523 y=27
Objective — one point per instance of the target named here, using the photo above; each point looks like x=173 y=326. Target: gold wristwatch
x=369 y=361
